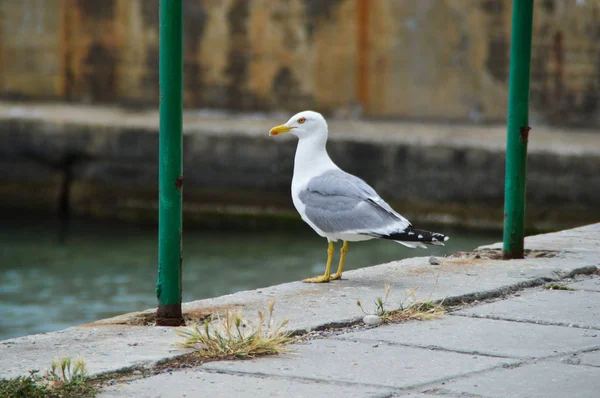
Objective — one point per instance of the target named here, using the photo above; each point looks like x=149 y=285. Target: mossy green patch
x=557 y=286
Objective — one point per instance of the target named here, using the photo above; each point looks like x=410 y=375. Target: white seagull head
x=303 y=125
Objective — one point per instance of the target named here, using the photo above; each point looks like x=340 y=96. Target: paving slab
x=581 y=242
x=105 y=349
x=483 y=336
x=590 y=358
x=363 y=363
x=559 y=307
x=543 y=380
x=196 y=383
x=592 y=284
x=312 y=306
x=425 y=395
x=585 y=358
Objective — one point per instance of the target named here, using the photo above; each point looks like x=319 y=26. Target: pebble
x=434 y=261
x=372 y=320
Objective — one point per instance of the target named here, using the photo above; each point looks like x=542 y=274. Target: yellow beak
x=280 y=130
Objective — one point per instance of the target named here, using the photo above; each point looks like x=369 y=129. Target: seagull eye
x=301 y=120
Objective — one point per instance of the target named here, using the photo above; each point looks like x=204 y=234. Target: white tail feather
x=412 y=245
x=436 y=242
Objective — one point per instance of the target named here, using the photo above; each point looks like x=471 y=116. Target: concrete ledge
x=110 y=345
x=454 y=174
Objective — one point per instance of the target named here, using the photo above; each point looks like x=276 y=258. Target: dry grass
x=418 y=310
x=496 y=254
x=231 y=336
x=409 y=309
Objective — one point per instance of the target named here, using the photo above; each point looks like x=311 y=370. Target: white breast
x=311 y=161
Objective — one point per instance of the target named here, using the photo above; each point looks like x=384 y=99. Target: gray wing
x=340 y=202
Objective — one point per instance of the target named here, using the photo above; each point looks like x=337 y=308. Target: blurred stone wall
x=412 y=59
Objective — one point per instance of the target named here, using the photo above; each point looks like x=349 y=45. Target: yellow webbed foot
x=317 y=279
x=335 y=277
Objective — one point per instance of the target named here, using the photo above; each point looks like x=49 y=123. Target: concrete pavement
x=506 y=336
x=513 y=347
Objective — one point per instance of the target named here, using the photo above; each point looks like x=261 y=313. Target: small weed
x=409 y=309
x=231 y=336
x=22 y=386
x=557 y=286
x=64 y=379
x=70 y=378
x=380 y=304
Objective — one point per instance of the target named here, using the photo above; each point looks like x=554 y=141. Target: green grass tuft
x=557 y=286
x=64 y=379
x=22 y=386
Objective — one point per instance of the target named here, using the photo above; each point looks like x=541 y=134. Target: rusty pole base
x=169 y=315
x=506 y=255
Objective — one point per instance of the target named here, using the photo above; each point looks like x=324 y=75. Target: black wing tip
x=411 y=234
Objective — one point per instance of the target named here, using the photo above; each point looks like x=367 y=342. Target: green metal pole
x=168 y=287
x=518 y=128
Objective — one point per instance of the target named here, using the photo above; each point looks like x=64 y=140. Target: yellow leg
x=343 y=251
x=326 y=275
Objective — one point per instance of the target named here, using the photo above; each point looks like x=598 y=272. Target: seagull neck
x=311 y=156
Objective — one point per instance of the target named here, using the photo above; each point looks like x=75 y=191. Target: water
x=109 y=268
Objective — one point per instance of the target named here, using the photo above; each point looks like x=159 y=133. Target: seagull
x=338 y=205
